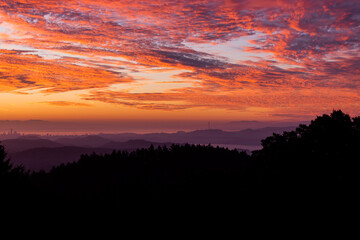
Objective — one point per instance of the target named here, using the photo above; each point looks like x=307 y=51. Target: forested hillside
x=317 y=160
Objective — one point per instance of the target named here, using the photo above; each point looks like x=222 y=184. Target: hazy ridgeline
x=315 y=161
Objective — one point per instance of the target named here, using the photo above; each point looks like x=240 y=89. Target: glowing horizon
x=178 y=60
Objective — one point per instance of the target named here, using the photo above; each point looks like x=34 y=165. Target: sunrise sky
x=176 y=59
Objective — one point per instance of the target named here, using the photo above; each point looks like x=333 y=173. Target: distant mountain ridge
x=212 y=136
x=83 y=141
x=21 y=144
x=36 y=153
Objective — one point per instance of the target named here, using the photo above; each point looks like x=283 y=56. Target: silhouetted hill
x=35 y=153
x=22 y=144
x=133 y=144
x=45 y=158
x=147 y=175
x=213 y=136
x=42 y=155
x=30 y=137
x=311 y=166
x=83 y=141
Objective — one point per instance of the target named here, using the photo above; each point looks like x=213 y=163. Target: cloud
x=26 y=71
x=65 y=104
x=302 y=48
x=278 y=102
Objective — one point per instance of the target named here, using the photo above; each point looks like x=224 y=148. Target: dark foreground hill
x=21 y=144
x=37 y=159
x=314 y=166
x=42 y=154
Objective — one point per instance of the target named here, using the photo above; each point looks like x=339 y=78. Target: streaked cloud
x=293 y=56
x=65 y=104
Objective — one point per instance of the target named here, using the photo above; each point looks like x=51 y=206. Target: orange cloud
x=26 y=71
x=65 y=103
x=303 y=102
x=301 y=47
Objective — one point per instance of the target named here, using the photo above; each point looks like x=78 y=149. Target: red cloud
x=25 y=71
x=313 y=46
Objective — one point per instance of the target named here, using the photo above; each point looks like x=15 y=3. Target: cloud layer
x=287 y=56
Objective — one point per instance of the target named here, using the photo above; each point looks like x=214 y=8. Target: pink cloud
x=308 y=46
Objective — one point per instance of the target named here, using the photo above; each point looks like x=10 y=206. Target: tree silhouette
x=178 y=172
x=315 y=160
x=5 y=166
x=319 y=158
x=13 y=180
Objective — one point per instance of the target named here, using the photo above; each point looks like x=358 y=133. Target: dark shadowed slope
x=183 y=172
x=45 y=158
x=313 y=164
x=134 y=144
x=313 y=167
x=20 y=144
x=83 y=141
x=213 y=136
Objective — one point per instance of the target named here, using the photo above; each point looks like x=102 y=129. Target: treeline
x=318 y=160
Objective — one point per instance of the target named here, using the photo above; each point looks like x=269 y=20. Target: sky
x=201 y=60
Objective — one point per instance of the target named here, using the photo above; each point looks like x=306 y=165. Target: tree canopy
x=313 y=160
